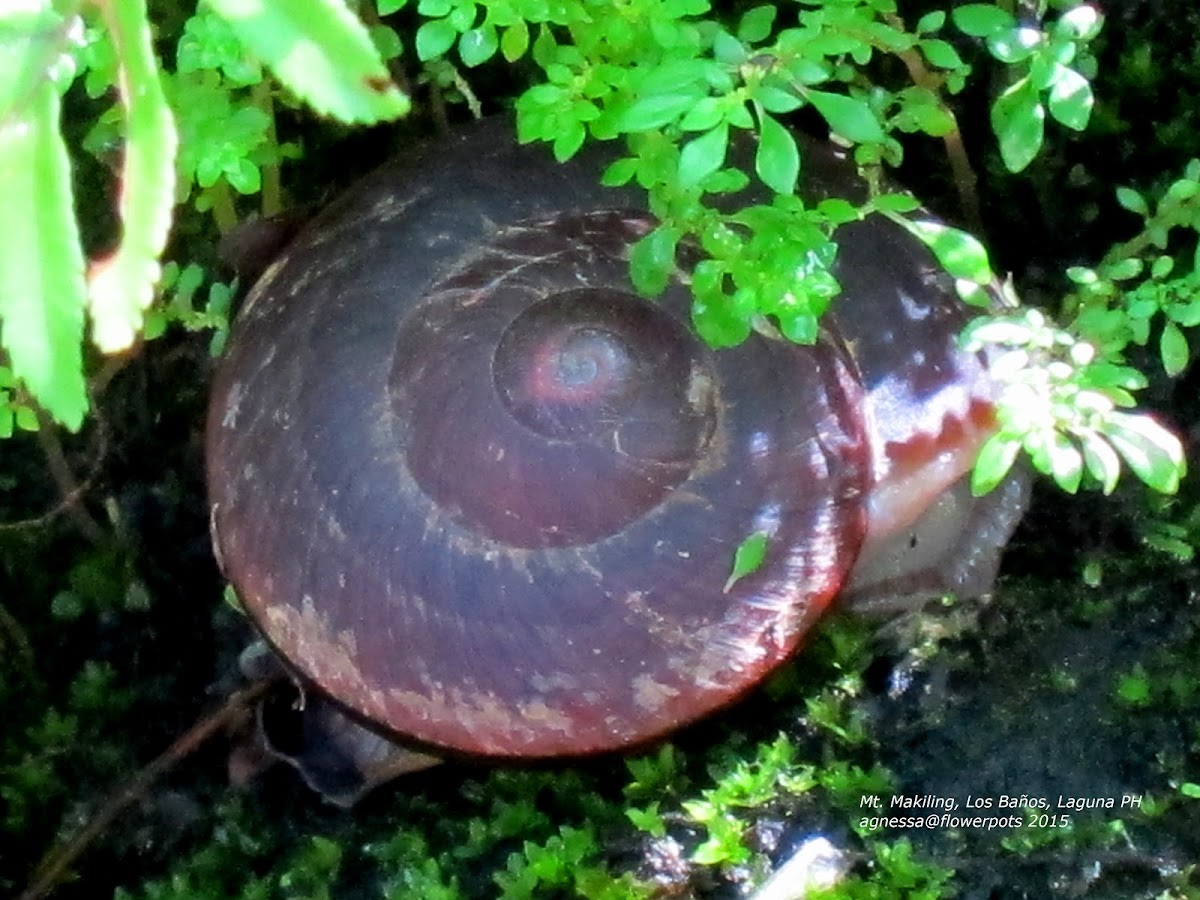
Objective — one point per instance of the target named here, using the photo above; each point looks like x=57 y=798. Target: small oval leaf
x=778 y=159
x=748 y=558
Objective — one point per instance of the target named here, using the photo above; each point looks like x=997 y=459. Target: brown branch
x=956 y=151
x=54 y=866
x=68 y=488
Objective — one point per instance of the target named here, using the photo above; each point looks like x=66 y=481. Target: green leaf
x=620 y=172
x=777 y=100
x=718 y=323
x=1071 y=100
x=941 y=54
x=1101 y=460
x=995 y=459
x=387 y=7
x=1081 y=23
x=568 y=140
x=981 y=19
x=706 y=114
x=386 y=41
x=652 y=260
x=1174 y=349
x=852 y=119
x=960 y=254
x=655 y=111
x=1013 y=45
x=322 y=53
x=42 y=289
x=478 y=45
x=1153 y=452
x=434 y=38
x=1066 y=463
x=702 y=156
x=1019 y=120
x=728 y=50
x=1133 y=201
x=244 y=176
x=748 y=558
x=929 y=22
x=121 y=287
x=897 y=203
x=755 y=25
x=777 y=161
x=1162 y=267
x=515 y=41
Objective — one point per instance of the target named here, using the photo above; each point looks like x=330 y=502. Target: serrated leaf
x=322 y=53
x=703 y=155
x=42 y=289
x=777 y=161
x=1019 y=121
x=1071 y=100
x=121 y=287
x=1173 y=347
x=748 y=558
x=851 y=118
x=29 y=51
x=995 y=459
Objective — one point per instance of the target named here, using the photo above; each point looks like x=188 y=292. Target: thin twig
x=54 y=865
x=70 y=489
x=956 y=151
x=17 y=637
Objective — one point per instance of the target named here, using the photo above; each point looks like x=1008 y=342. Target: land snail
x=474 y=489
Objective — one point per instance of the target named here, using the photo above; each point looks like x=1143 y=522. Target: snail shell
x=473 y=487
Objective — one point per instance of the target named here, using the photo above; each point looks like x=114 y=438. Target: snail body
x=478 y=491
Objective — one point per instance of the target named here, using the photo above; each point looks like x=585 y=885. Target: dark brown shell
x=477 y=490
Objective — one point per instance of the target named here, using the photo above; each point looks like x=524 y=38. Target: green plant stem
x=223 y=210
x=1182 y=215
x=272 y=194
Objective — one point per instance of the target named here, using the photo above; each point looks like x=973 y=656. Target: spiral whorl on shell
x=473 y=487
